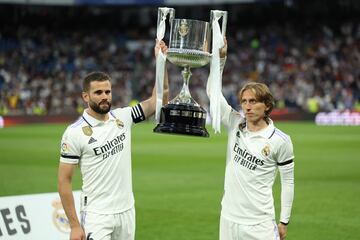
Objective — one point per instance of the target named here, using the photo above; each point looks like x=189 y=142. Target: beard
x=98 y=108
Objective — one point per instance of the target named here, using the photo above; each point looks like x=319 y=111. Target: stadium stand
x=311 y=61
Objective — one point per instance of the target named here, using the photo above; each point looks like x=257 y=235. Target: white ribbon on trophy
x=214 y=83
x=160 y=61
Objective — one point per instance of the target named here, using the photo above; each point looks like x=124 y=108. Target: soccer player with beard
x=100 y=143
x=256 y=150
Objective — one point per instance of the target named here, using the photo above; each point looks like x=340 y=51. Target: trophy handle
x=172 y=16
x=162 y=12
x=224 y=15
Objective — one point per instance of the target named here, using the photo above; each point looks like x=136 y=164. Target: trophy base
x=182 y=119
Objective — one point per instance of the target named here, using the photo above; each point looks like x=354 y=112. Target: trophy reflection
x=189 y=47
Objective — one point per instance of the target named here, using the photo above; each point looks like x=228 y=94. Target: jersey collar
x=265 y=133
x=93 y=121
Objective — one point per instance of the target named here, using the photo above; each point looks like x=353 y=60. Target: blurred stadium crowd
x=309 y=67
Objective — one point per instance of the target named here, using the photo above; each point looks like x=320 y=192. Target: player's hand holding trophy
x=189 y=47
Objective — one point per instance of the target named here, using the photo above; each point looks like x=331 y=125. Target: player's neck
x=97 y=116
x=255 y=126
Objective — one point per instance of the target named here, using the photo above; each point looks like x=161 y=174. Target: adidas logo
x=92 y=140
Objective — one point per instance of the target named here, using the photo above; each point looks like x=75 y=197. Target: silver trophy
x=189 y=47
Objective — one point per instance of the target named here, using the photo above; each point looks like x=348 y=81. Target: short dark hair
x=94 y=76
x=262 y=94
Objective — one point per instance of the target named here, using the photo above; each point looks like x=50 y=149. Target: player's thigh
x=266 y=230
x=125 y=226
x=97 y=226
x=228 y=230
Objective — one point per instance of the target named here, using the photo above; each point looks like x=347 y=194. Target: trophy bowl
x=188 y=57
x=189 y=43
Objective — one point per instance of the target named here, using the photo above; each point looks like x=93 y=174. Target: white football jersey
x=103 y=152
x=251 y=166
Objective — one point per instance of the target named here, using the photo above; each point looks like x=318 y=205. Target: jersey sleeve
x=228 y=115
x=226 y=111
x=225 y=108
x=70 y=149
x=285 y=153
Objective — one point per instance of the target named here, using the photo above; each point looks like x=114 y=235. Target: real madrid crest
x=183 y=28
x=242 y=126
x=59 y=217
x=266 y=150
x=87 y=130
x=119 y=123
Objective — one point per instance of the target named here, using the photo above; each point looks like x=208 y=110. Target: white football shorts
x=120 y=226
x=233 y=231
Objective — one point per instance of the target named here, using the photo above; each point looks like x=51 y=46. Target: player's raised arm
x=226 y=109
x=149 y=105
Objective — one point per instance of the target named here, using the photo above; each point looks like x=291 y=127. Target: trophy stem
x=185 y=92
x=186 y=73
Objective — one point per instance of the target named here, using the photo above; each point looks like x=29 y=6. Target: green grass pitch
x=178 y=180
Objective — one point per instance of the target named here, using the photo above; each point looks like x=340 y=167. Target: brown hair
x=262 y=94
x=94 y=76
